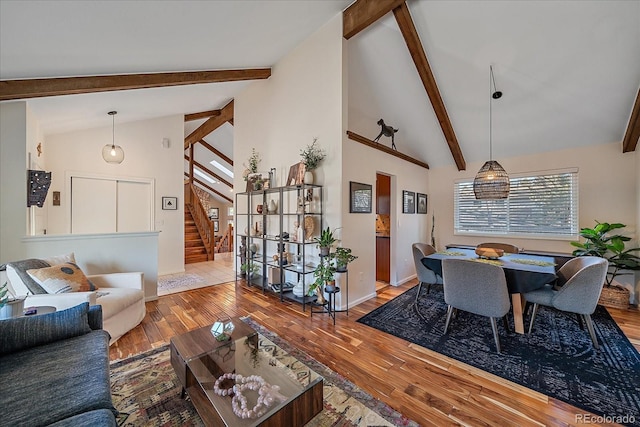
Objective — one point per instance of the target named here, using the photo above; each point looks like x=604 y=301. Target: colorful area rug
x=146 y=391
x=557 y=359
x=178 y=282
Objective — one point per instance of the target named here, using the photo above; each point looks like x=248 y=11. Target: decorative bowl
x=490 y=253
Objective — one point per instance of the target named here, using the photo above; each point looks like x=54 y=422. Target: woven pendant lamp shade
x=491 y=182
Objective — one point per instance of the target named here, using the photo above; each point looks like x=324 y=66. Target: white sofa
x=121 y=296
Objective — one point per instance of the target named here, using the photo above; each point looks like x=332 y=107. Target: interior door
x=93 y=205
x=133 y=207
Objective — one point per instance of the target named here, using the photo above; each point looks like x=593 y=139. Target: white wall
x=301 y=100
x=144 y=158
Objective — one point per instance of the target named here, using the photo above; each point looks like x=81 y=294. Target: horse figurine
x=387 y=131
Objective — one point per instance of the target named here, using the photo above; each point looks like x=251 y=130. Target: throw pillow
x=17 y=274
x=62 y=278
x=21 y=333
x=60 y=259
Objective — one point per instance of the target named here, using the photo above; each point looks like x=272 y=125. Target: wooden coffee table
x=199 y=359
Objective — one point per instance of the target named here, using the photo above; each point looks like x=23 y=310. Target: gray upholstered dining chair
x=510 y=249
x=425 y=275
x=581 y=280
x=478 y=288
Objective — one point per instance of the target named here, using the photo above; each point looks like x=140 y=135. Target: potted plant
x=249 y=268
x=311 y=156
x=343 y=257
x=601 y=243
x=10 y=305
x=252 y=168
x=324 y=275
x=325 y=241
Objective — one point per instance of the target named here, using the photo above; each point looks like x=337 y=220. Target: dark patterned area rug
x=146 y=391
x=557 y=359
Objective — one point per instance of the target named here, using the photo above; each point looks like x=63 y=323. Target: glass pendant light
x=112 y=153
x=491 y=181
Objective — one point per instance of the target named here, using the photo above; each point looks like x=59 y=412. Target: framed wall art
x=214 y=213
x=422 y=203
x=215 y=226
x=169 y=203
x=408 y=202
x=360 y=197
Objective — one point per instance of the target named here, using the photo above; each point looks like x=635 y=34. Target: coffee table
x=199 y=360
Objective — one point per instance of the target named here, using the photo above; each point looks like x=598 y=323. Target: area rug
x=557 y=359
x=171 y=282
x=146 y=392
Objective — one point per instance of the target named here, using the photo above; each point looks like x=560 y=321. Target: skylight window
x=203 y=175
x=222 y=168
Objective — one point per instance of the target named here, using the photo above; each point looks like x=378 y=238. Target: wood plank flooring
x=425 y=386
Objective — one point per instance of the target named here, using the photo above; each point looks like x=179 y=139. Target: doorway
x=383 y=228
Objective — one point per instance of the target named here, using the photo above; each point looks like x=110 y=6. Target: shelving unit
x=271 y=234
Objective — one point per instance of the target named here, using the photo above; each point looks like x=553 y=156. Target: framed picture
x=408 y=202
x=422 y=203
x=360 y=197
x=214 y=213
x=169 y=203
x=215 y=226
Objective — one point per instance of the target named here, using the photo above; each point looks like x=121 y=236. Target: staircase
x=194 y=249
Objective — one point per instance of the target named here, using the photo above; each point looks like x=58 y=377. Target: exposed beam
x=209 y=171
x=410 y=34
x=632 y=133
x=226 y=114
x=34 y=88
x=366 y=141
x=201 y=115
x=216 y=152
x=363 y=13
x=205 y=185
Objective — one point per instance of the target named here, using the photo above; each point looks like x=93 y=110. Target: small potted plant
x=343 y=257
x=311 y=156
x=252 y=168
x=10 y=305
x=324 y=275
x=325 y=241
x=250 y=268
x=599 y=242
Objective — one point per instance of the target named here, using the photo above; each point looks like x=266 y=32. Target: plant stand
x=614 y=297
x=328 y=307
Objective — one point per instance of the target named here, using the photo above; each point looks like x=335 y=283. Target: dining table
x=524 y=273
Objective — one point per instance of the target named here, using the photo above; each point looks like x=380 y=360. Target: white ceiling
x=569 y=70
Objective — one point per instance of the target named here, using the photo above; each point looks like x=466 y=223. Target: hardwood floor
x=425 y=386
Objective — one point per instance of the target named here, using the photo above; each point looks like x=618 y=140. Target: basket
x=614 y=297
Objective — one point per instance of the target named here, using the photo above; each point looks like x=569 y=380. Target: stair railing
x=226 y=241
x=203 y=223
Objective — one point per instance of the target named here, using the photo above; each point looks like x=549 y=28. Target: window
x=543 y=205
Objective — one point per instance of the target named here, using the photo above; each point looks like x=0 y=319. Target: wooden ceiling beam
x=363 y=13
x=632 y=134
x=369 y=143
x=410 y=34
x=226 y=114
x=34 y=88
x=216 y=152
x=201 y=115
x=209 y=171
x=205 y=185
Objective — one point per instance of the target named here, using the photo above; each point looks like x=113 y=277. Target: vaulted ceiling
x=569 y=71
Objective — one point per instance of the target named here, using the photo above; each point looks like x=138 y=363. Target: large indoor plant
x=601 y=242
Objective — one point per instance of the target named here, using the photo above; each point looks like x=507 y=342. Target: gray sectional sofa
x=54 y=370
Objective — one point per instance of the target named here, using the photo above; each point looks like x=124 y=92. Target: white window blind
x=544 y=205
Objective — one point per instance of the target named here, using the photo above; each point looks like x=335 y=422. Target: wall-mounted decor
x=215 y=226
x=56 y=198
x=214 y=213
x=422 y=203
x=408 y=202
x=169 y=203
x=38 y=186
x=360 y=197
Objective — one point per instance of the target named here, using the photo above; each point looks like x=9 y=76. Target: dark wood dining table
x=524 y=273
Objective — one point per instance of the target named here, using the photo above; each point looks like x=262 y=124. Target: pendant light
x=491 y=181
x=112 y=153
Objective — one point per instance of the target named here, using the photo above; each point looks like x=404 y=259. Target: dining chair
x=478 y=288
x=425 y=275
x=510 y=249
x=583 y=279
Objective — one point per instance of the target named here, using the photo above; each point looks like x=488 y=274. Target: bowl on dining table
x=489 y=253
